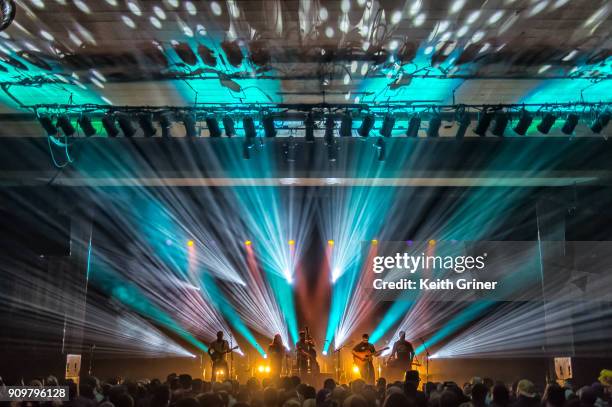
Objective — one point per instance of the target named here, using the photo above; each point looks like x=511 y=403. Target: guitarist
x=217 y=351
x=363 y=354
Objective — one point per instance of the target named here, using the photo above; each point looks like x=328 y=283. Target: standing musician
x=276 y=354
x=217 y=351
x=363 y=355
x=306 y=354
x=402 y=353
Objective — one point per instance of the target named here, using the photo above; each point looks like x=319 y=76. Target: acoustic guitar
x=366 y=356
x=218 y=356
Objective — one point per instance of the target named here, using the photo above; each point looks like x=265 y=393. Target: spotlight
x=387 y=126
x=434 y=126
x=213 y=127
x=355 y=369
x=464 y=122
x=47 y=124
x=249 y=127
x=108 y=122
x=190 y=125
x=247 y=242
x=228 y=125
x=483 y=123
x=501 y=122
x=183 y=50
x=309 y=125
x=291 y=242
x=329 y=130
x=165 y=121
x=330 y=242
x=7 y=13
x=232 y=52
x=366 y=125
x=64 y=123
x=207 y=55
x=600 y=122
x=346 y=125
x=260 y=55
x=570 y=124
x=523 y=124
x=547 y=122
x=146 y=124
x=268 y=124
x=85 y=124
x=413 y=127
x=190 y=243
x=125 y=124
x=382 y=149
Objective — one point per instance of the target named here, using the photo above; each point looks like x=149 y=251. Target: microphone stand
x=91 y=356
x=426 y=360
x=231 y=369
x=339 y=365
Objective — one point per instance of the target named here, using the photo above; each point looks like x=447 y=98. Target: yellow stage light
x=261 y=368
x=432 y=242
x=248 y=242
x=291 y=242
x=190 y=243
x=330 y=242
x=355 y=369
x=374 y=241
x=267 y=369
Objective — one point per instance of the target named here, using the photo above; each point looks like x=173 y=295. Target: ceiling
x=176 y=52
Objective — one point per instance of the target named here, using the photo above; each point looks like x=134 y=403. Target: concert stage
x=307 y=170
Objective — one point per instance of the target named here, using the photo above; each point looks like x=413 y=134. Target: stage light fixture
x=330 y=123
x=249 y=127
x=547 y=122
x=7 y=13
x=500 y=124
x=600 y=122
x=246 y=149
x=309 y=125
x=190 y=125
x=47 y=124
x=108 y=122
x=228 y=125
x=232 y=52
x=346 y=125
x=207 y=55
x=146 y=124
x=85 y=124
x=213 y=127
x=290 y=149
x=268 y=124
x=184 y=51
x=190 y=243
x=464 y=122
x=332 y=151
x=259 y=54
x=165 y=122
x=381 y=148
x=570 y=124
x=413 y=126
x=434 y=126
x=63 y=122
x=387 y=126
x=330 y=242
x=366 y=125
x=125 y=124
x=484 y=121
x=523 y=123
